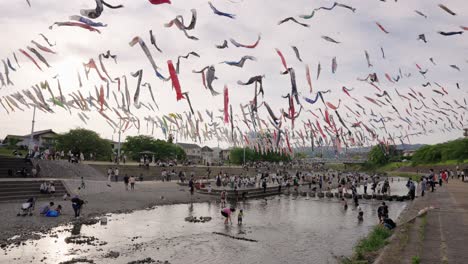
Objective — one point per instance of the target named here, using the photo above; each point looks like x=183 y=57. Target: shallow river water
x=288 y=228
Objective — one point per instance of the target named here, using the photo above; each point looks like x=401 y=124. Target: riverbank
x=436 y=237
x=101 y=200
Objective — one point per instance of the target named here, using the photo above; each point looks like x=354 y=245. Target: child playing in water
x=360 y=214
x=240 y=216
x=344 y=203
x=226 y=212
x=223 y=198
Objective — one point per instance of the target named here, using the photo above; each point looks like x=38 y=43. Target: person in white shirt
x=52 y=188
x=109 y=175
x=132 y=182
x=116 y=173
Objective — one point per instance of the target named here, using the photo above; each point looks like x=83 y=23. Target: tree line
x=236 y=156
x=87 y=141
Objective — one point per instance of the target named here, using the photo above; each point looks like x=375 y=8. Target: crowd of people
x=47 y=188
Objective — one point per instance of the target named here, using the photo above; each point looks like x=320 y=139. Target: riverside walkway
x=439 y=237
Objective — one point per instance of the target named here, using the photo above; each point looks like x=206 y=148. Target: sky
x=356 y=31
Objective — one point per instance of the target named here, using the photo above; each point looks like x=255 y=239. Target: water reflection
x=76 y=228
x=289 y=229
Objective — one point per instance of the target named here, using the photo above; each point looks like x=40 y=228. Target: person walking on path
x=412 y=190
x=116 y=173
x=440 y=178
x=432 y=179
x=126 y=181
x=423 y=186
x=132 y=182
x=109 y=177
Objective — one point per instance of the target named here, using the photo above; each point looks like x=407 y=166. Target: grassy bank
x=367 y=248
x=6 y=152
x=412 y=175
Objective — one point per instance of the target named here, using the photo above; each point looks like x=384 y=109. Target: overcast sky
x=357 y=32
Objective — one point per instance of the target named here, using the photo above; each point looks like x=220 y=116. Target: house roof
x=41 y=132
x=206 y=148
x=188 y=145
x=36 y=133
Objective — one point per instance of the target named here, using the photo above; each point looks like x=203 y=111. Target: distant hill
x=329 y=152
x=410 y=146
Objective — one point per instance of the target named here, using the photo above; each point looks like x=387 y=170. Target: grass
x=403 y=235
x=422 y=227
x=392 y=166
x=412 y=175
x=369 y=245
x=447 y=162
x=8 y=152
x=415 y=260
x=335 y=166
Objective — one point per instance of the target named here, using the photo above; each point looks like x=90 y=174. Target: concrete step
x=6 y=192
x=15 y=164
x=22 y=190
x=25 y=197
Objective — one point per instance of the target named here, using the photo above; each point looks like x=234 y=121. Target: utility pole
x=31 y=145
x=118 y=148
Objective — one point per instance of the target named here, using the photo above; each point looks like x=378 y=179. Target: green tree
x=382 y=154
x=236 y=156
x=84 y=141
x=452 y=150
x=161 y=149
x=12 y=143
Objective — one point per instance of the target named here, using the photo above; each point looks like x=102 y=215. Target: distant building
x=224 y=154
x=408 y=153
x=114 y=145
x=207 y=155
x=465 y=133
x=193 y=152
x=43 y=139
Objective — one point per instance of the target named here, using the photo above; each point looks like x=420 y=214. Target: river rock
x=112 y=254
x=194 y=219
x=77 y=260
x=92 y=241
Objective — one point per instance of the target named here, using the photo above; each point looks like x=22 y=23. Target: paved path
x=442 y=237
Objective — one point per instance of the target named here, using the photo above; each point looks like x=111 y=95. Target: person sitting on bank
x=54 y=213
x=45 y=208
x=44 y=188
x=52 y=188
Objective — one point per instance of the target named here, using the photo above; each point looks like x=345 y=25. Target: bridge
x=337 y=160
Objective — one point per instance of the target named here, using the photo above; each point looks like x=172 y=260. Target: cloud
x=357 y=32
